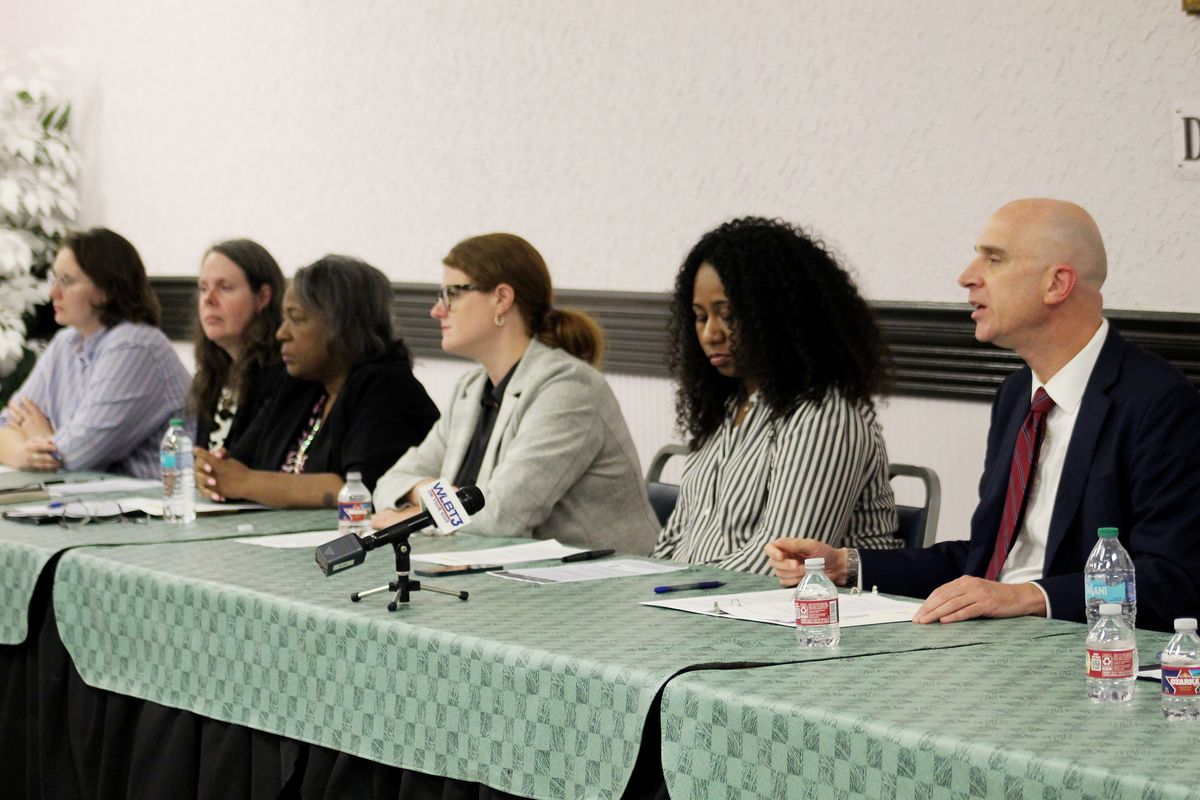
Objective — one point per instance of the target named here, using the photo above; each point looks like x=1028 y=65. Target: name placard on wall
x=1185 y=136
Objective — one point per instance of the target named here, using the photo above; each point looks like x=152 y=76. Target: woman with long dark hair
x=777 y=359
x=238 y=302
x=102 y=394
x=536 y=427
x=350 y=402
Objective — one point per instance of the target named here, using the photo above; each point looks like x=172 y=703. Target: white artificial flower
x=38 y=199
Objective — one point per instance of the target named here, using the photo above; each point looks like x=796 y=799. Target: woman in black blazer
x=349 y=403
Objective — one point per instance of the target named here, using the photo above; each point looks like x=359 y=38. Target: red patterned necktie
x=1020 y=475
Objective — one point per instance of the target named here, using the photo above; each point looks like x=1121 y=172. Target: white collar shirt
x=1026 y=559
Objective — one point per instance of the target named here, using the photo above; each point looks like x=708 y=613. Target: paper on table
x=539 y=550
x=113 y=485
x=75 y=509
x=310 y=539
x=153 y=506
x=123 y=505
x=775 y=607
x=589 y=571
x=6 y=469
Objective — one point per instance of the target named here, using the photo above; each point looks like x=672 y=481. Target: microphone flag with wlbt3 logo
x=448 y=511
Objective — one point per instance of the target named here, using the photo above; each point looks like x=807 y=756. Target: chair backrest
x=663 y=495
x=918 y=524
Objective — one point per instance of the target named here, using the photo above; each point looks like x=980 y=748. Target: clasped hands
x=961 y=599
x=218 y=476
x=40 y=453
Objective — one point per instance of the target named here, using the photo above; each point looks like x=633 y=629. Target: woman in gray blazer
x=536 y=427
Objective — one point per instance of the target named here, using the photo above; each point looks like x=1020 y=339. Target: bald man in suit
x=1120 y=448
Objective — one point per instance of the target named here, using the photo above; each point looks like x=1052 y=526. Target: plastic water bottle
x=179 y=484
x=354 y=506
x=1108 y=578
x=1111 y=657
x=816 y=602
x=1181 y=672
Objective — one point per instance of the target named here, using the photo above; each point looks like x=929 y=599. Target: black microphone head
x=471 y=497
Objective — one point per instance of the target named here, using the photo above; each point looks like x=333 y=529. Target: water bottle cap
x=176 y=422
x=1107 y=533
x=1110 y=609
x=814 y=563
x=1185 y=624
x=353 y=476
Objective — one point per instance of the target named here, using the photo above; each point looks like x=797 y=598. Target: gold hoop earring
x=499 y=320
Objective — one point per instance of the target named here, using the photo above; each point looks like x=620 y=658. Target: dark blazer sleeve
x=915 y=572
x=386 y=412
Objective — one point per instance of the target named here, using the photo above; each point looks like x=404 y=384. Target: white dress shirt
x=1027 y=557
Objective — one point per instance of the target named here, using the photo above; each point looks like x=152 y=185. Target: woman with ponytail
x=536 y=427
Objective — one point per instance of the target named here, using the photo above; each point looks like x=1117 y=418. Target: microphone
x=350 y=550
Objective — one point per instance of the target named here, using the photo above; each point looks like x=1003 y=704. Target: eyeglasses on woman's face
x=63 y=282
x=447 y=294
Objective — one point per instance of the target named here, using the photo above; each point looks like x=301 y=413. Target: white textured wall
x=612 y=134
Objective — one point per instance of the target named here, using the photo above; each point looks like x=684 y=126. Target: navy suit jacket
x=1133 y=463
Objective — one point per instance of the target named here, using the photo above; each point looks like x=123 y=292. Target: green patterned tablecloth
x=537 y=690
x=1009 y=720
x=25 y=549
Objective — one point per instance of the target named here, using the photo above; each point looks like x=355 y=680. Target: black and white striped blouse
x=819 y=473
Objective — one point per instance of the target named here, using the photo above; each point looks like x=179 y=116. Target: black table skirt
x=61 y=739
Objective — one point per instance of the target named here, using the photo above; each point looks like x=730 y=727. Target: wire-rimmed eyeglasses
x=75 y=513
x=446 y=294
x=63 y=282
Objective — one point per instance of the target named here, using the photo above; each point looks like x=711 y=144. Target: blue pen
x=683 y=587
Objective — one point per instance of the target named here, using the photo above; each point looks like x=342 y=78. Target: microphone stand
x=402 y=586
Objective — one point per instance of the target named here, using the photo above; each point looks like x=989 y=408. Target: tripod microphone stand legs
x=403 y=586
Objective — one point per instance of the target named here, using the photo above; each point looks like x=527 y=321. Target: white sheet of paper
x=589 y=571
x=113 y=485
x=538 y=550
x=309 y=539
x=4 y=469
x=1154 y=674
x=775 y=607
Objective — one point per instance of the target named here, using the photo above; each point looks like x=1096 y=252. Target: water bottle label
x=1109 y=663
x=1100 y=589
x=816 y=612
x=356 y=511
x=1181 y=681
x=167 y=460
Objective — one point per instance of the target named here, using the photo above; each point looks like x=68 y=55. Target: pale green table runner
x=537 y=690
x=1007 y=720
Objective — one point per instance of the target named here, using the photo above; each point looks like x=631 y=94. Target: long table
x=241 y=667
x=541 y=691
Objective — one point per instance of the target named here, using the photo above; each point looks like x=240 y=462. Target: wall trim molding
x=932 y=344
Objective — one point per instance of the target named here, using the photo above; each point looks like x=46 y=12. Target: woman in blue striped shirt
x=777 y=359
x=101 y=395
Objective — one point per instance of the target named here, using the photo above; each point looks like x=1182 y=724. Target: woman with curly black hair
x=777 y=358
